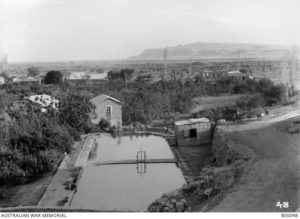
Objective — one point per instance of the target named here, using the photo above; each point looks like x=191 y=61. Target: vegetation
x=104 y=124
x=144 y=101
x=53 y=77
x=123 y=74
x=33 y=71
x=75 y=111
x=32 y=143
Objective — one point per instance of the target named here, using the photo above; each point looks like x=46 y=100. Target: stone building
x=193 y=132
x=239 y=75
x=107 y=108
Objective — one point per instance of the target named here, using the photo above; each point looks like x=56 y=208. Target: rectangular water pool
x=126 y=187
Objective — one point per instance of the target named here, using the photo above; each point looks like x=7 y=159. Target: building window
x=193 y=133
x=108 y=111
x=190 y=133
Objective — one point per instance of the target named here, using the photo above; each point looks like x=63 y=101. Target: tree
x=33 y=71
x=113 y=75
x=75 y=111
x=53 y=77
x=126 y=74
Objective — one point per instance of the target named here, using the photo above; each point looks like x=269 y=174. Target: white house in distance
x=79 y=75
x=82 y=75
x=239 y=75
x=26 y=79
x=107 y=108
x=99 y=76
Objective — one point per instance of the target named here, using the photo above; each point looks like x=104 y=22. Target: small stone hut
x=107 y=108
x=193 y=132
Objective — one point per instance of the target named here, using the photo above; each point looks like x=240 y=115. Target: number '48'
x=282 y=205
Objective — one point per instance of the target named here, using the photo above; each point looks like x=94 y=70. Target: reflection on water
x=93 y=151
x=125 y=187
x=126 y=148
x=141 y=168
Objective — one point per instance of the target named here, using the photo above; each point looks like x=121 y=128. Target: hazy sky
x=49 y=30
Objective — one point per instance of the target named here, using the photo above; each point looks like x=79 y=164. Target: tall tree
x=53 y=77
x=76 y=111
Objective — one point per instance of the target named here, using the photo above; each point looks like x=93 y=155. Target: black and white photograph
x=149 y=106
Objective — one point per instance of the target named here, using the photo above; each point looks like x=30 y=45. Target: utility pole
x=293 y=67
x=165 y=62
x=174 y=75
x=191 y=67
x=283 y=76
x=239 y=60
x=284 y=67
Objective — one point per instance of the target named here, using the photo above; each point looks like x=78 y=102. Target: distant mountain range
x=215 y=51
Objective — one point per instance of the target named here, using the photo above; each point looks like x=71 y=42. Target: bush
x=76 y=111
x=32 y=144
x=91 y=128
x=251 y=101
x=53 y=77
x=104 y=124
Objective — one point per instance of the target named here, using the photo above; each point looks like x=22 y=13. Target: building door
x=193 y=133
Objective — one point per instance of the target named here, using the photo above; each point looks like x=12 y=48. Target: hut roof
x=192 y=121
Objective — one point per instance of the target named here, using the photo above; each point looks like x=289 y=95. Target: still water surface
x=122 y=187
x=126 y=186
x=126 y=148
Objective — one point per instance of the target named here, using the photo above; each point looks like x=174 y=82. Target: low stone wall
x=223 y=151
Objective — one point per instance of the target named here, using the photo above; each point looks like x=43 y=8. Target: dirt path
x=57 y=194
x=275 y=176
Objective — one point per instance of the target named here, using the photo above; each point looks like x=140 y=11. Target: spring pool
x=126 y=187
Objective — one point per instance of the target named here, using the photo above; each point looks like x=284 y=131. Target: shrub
x=251 y=101
x=104 y=124
x=76 y=111
x=34 y=144
x=53 y=77
x=91 y=128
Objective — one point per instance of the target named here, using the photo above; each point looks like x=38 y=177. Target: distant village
x=94 y=77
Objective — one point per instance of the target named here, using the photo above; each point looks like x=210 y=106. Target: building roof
x=234 y=72
x=192 y=121
x=81 y=75
x=78 y=75
x=25 y=79
x=237 y=73
x=104 y=97
x=100 y=76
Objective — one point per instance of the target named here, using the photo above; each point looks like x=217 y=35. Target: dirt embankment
x=228 y=166
x=274 y=174
x=255 y=166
